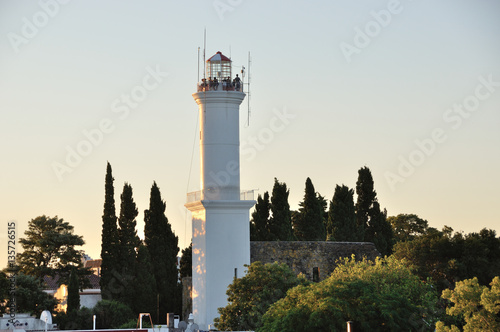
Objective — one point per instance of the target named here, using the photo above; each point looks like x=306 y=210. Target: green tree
x=478 y=305
x=129 y=242
x=162 y=245
x=259 y=224
x=366 y=196
x=145 y=283
x=249 y=297
x=4 y=291
x=112 y=314
x=186 y=263
x=30 y=297
x=308 y=222
x=73 y=292
x=280 y=223
x=49 y=249
x=75 y=320
x=448 y=257
x=371 y=221
x=341 y=225
x=407 y=227
x=379 y=296
x=110 y=244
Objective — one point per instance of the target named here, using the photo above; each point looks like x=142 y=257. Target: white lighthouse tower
x=220 y=212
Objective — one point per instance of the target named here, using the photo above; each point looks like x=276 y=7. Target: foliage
x=371 y=221
x=249 y=297
x=379 y=296
x=366 y=196
x=49 y=249
x=259 y=224
x=478 y=305
x=447 y=258
x=129 y=241
x=111 y=314
x=73 y=292
x=280 y=223
x=186 y=263
x=162 y=245
x=30 y=296
x=341 y=225
x=75 y=320
x=145 y=294
x=308 y=222
x=4 y=291
x=407 y=227
x=110 y=254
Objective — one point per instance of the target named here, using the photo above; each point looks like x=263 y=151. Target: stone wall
x=306 y=256
x=300 y=256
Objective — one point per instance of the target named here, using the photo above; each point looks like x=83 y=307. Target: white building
x=220 y=212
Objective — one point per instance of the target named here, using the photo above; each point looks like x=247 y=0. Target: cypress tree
x=110 y=243
x=259 y=224
x=186 y=263
x=73 y=292
x=163 y=247
x=370 y=219
x=308 y=222
x=280 y=223
x=129 y=241
x=145 y=283
x=366 y=197
x=341 y=225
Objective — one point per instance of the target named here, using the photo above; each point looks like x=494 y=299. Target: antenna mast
x=204 y=47
x=248 y=92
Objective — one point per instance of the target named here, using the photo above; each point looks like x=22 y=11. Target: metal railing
x=245 y=195
x=220 y=86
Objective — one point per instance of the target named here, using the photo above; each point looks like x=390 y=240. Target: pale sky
x=410 y=89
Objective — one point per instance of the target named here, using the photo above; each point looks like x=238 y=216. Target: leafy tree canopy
x=379 y=296
x=447 y=257
x=250 y=296
x=478 y=305
x=49 y=249
x=407 y=227
x=30 y=296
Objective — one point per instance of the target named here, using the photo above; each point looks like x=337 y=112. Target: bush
x=379 y=296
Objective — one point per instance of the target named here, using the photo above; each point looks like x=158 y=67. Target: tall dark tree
x=49 y=249
x=366 y=197
x=73 y=292
x=380 y=230
x=259 y=224
x=280 y=223
x=186 y=263
x=129 y=242
x=163 y=247
x=308 y=222
x=145 y=284
x=371 y=221
x=341 y=224
x=110 y=244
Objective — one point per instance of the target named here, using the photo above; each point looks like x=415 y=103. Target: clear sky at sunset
x=410 y=89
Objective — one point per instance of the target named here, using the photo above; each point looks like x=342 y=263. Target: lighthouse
x=220 y=210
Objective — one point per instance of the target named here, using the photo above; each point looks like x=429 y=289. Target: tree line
x=136 y=275
x=340 y=219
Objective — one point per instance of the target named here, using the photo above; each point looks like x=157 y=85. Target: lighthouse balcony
x=245 y=195
x=224 y=85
